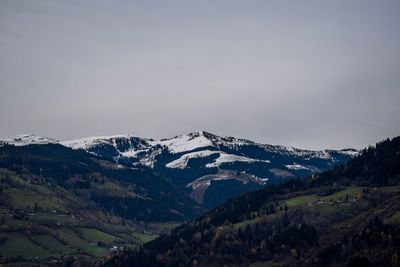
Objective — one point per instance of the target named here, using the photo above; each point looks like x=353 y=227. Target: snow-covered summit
x=127 y=145
x=185 y=143
x=26 y=139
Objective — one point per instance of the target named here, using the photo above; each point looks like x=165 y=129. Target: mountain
x=210 y=168
x=133 y=193
x=348 y=216
x=213 y=168
x=65 y=200
x=57 y=204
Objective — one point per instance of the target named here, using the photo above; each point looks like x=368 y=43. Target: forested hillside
x=59 y=204
x=347 y=216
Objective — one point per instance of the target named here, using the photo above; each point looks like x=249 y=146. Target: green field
x=27 y=199
x=308 y=199
x=56 y=232
x=18 y=245
x=94 y=235
x=301 y=200
x=353 y=191
x=51 y=244
x=350 y=191
x=73 y=239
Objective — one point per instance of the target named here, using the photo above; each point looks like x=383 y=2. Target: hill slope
x=347 y=216
x=136 y=192
x=57 y=203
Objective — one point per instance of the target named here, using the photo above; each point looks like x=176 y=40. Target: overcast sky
x=311 y=74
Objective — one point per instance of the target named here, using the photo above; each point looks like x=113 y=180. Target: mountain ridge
x=26 y=139
x=200 y=162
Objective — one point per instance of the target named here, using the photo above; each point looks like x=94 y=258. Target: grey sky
x=311 y=74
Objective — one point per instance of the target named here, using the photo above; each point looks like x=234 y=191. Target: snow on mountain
x=182 y=162
x=184 y=143
x=214 y=168
x=223 y=157
x=350 y=152
x=88 y=142
x=130 y=146
x=26 y=139
x=145 y=151
x=227 y=158
x=118 y=147
x=296 y=166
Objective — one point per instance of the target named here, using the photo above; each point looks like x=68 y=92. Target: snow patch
x=350 y=152
x=182 y=162
x=296 y=167
x=227 y=158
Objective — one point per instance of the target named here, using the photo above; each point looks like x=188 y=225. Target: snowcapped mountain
x=210 y=167
x=27 y=139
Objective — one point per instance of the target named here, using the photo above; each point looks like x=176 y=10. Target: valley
x=42 y=222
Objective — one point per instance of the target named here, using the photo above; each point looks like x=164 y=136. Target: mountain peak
x=186 y=142
x=205 y=134
x=197 y=133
